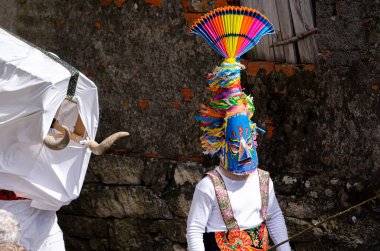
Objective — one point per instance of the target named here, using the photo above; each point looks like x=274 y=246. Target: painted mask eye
x=250 y=143
x=234 y=149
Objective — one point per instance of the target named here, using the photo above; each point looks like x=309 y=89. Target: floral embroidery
x=264 y=191
x=223 y=201
x=265 y=238
x=234 y=240
x=259 y=237
x=243 y=240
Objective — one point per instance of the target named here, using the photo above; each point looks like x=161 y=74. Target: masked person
x=48 y=122
x=234 y=206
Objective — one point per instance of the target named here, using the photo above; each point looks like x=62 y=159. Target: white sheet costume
x=35 y=87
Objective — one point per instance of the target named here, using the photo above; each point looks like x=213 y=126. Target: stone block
x=117 y=169
x=179 y=199
x=158 y=174
x=130 y=234
x=84 y=227
x=304 y=209
x=76 y=244
x=119 y=201
x=191 y=172
x=296 y=225
x=174 y=230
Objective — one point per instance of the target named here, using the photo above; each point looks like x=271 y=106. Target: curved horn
x=54 y=144
x=101 y=148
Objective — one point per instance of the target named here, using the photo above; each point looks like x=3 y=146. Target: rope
x=327 y=219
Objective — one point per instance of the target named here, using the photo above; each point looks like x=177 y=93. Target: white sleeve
x=201 y=207
x=276 y=224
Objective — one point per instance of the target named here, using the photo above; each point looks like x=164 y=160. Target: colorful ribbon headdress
x=231 y=31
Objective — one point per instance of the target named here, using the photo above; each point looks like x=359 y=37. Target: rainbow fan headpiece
x=231 y=31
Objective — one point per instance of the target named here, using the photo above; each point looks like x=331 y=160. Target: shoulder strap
x=223 y=200
x=264 y=192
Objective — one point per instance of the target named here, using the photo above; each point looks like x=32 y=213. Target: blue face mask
x=239 y=155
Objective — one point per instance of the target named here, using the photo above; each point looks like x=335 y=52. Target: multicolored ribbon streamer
x=232 y=30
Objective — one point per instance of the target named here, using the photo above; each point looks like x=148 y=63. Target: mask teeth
x=244 y=173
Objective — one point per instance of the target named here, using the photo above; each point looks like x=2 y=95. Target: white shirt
x=245 y=200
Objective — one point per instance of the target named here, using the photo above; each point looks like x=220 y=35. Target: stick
x=321 y=222
x=295 y=38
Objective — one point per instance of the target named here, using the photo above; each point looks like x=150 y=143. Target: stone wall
x=322 y=145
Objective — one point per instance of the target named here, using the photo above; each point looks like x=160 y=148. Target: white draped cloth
x=33 y=90
x=39 y=228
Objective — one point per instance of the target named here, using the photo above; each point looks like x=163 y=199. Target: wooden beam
x=286 y=30
x=295 y=38
x=302 y=14
x=270 y=10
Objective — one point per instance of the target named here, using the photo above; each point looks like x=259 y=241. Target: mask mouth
x=245 y=162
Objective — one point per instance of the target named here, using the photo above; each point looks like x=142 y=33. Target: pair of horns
x=59 y=142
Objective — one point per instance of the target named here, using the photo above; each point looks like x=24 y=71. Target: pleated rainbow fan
x=231 y=30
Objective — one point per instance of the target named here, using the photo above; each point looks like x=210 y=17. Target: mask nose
x=244 y=153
